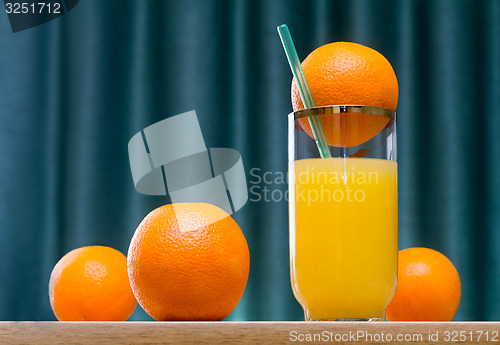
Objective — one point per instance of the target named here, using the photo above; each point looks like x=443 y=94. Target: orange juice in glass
x=343 y=219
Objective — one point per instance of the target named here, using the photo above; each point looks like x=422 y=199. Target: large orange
x=91 y=284
x=188 y=262
x=428 y=289
x=344 y=73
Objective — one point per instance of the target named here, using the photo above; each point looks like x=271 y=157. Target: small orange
x=428 y=287
x=91 y=284
x=345 y=73
x=188 y=262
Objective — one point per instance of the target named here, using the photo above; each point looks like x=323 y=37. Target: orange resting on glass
x=344 y=73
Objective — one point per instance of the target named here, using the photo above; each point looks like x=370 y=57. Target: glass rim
x=338 y=109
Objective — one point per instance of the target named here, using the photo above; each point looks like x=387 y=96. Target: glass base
x=354 y=319
x=350 y=319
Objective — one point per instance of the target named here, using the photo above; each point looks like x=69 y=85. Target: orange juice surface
x=343 y=236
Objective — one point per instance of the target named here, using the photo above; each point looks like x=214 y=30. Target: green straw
x=305 y=94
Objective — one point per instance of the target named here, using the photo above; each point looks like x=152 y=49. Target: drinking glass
x=344 y=213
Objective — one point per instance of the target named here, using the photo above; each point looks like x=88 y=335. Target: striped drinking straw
x=305 y=94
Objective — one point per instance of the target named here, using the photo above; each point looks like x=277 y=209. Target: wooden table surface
x=238 y=333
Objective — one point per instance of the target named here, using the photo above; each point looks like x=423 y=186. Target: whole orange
x=345 y=73
x=188 y=262
x=428 y=289
x=91 y=284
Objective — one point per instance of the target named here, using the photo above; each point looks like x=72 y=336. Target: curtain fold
x=76 y=89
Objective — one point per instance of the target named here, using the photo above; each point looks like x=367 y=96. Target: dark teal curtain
x=73 y=91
